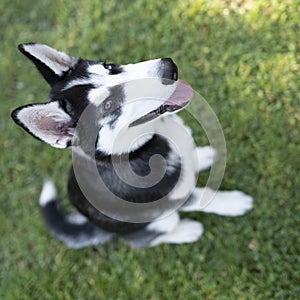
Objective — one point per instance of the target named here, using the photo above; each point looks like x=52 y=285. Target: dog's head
x=119 y=97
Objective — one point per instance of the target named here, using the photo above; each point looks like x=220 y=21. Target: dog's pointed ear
x=46 y=122
x=51 y=63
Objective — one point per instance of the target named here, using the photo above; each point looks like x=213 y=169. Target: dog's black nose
x=169 y=71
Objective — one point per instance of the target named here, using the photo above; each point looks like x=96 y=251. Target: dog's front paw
x=205 y=157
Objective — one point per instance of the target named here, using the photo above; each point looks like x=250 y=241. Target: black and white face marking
x=125 y=98
x=142 y=96
x=145 y=83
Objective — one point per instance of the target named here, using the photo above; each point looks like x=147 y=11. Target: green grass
x=244 y=58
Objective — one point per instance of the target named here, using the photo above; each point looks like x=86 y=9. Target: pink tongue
x=182 y=94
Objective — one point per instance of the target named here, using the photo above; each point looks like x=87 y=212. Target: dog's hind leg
x=72 y=229
x=187 y=231
x=168 y=230
x=225 y=203
x=144 y=237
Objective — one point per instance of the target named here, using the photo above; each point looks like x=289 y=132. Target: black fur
x=139 y=162
x=73 y=234
x=116 y=98
x=14 y=116
x=113 y=68
x=169 y=71
x=47 y=73
x=74 y=101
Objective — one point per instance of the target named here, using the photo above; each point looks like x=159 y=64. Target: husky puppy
x=117 y=119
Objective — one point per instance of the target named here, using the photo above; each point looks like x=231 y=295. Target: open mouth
x=179 y=99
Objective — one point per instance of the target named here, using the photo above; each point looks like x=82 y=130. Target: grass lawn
x=244 y=59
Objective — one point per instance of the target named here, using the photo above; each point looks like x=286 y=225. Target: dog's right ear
x=51 y=63
x=46 y=122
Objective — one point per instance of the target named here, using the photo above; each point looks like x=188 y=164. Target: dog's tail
x=72 y=229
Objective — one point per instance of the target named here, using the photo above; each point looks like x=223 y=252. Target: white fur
x=99 y=70
x=173 y=161
x=182 y=143
x=98 y=95
x=143 y=92
x=205 y=157
x=32 y=118
x=225 y=203
x=77 y=219
x=143 y=96
x=100 y=237
x=57 y=61
x=187 y=231
x=48 y=193
x=166 y=224
x=121 y=139
x=124 y=139
x=132 y=72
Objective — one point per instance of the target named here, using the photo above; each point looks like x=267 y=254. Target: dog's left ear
x=51 y=63
x=46 y=122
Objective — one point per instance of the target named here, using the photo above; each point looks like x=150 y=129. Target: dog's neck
x=154 y=143
x=121 y=140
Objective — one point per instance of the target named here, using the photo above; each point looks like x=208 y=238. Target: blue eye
x=66 y=106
